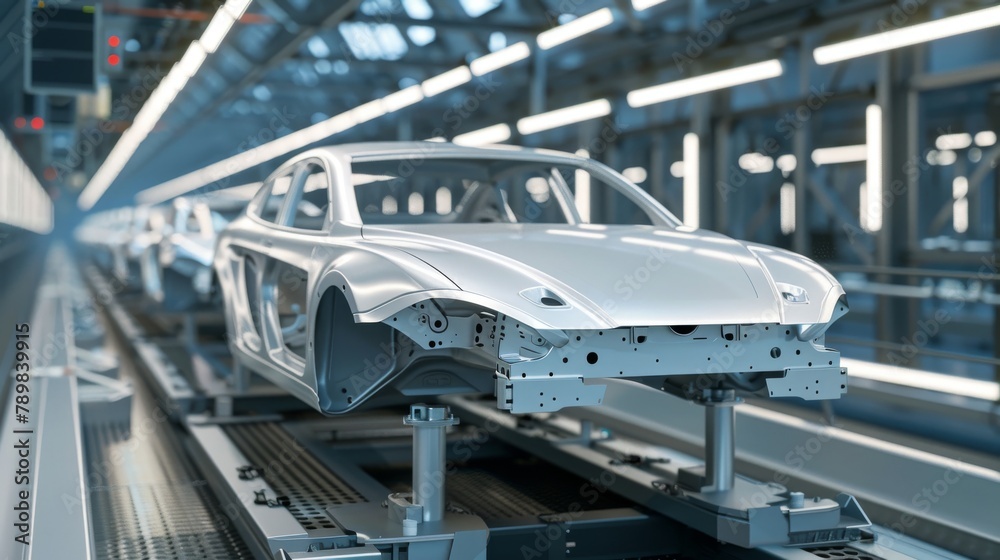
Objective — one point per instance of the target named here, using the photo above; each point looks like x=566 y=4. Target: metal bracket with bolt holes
x=545 y=394
x=534 y=375
x=810 y=384
x=426 y=325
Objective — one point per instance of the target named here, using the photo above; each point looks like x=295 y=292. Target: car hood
x=611 y=276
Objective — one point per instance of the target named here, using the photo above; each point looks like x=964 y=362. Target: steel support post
x=996 y=284
x=801 y=149
x=893 y=319
x=430 y=424
x=720 y=446
x=189 y=331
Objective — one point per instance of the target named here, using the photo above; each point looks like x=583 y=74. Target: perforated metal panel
x=147 y=502
x=841 y=552
x=293 y=472
x=162 y=522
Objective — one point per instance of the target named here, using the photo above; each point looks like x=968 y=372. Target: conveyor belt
x=292 y=471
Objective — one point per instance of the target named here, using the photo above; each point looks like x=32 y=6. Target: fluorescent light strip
x=873 y=167
x=488 y=135
x=640 y=5
x=787 y=208
x=368 y=111
x=217 y=30
x=786 y=163
x=960 y=215
x=246 y=160
x=754 y=162
x=960 y=206
x=574 y=29
x=281 y=146
x=959 y=187
x=705 y=83
x=446 y=81
x=957 y=141
x=840 y=154
x=403 y=98
x=160 y=99
x=692 y=202
x=863 y=206
x=503 y=57
x=986 y=138
x=192 y=60
x=236 y=8
x=906 y=36
x=562 y=117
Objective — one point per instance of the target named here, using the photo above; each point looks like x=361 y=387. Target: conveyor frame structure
x=341 y=471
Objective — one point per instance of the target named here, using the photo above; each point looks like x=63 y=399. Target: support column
x=190 y=331
x=430 y=424
x=801 y=148
x=720 y=446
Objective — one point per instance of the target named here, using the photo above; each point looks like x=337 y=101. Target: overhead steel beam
x=966 y=76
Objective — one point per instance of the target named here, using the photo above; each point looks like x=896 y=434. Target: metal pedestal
x=430 y=424
x=720 y=446
x=419 y=521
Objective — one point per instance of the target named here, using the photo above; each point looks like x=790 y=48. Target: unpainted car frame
x=532 y=312
x=176 y=262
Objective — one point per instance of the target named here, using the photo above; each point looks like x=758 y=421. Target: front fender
x=370 y=277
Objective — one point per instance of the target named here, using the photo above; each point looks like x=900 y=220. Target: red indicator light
x=50 y=174
x=114 y=41
x=114 y=59
x=20 y=122
x=37 y=123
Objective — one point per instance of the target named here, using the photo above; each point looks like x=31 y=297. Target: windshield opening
x=469 y=191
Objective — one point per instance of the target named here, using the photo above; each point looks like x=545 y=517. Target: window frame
x=297 y=174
